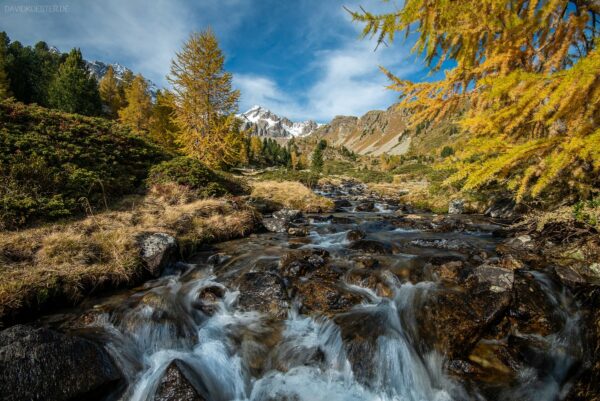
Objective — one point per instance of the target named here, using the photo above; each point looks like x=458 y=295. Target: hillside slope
x=386 y=132
x=53 y=163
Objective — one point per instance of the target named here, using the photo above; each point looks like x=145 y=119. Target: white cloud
x=348 y=82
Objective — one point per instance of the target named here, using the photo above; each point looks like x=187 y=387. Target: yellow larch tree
x=528 y=73
x=136 y=114
x=205 y=102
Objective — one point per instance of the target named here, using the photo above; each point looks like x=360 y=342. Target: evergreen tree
x=139 y=106
x=109 y=93
x=317 y=160
x=204 y=98
x=163 y=129
x=73 y=89
x=4 y=81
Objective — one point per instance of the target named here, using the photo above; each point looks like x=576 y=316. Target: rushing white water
x=310 y=361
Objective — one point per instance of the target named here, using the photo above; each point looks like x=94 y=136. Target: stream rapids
x=277 y=317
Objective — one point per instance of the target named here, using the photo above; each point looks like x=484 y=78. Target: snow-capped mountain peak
x=263 y=122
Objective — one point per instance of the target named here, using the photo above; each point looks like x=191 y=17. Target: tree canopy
x=528 y=74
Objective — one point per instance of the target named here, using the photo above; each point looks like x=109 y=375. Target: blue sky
x=303 y=59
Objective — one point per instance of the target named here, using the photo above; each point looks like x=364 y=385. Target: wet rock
x=366 y=262
x=531 y=311
x=217 y=259
x=355 y=235
x=263 y=292
x=342 y=220
x=449 y=244
x=449 y=271
x=298 y=231
x=494 y=278
x=276 y=225
x=43 y=364
x=287 y=214
x=157 y=251
x=569 y=276
x=367 y=279
x=453 y=321
x=208 y=299
x=456 y=206
x=521 y=242
x=176 y=386
x=503 y=209
x=299 y=262
x=370 y=246
x=341 y=203
x=325 y=295
x=365 y=206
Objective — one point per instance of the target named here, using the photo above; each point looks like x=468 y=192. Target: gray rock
x=276 y=225
x=355 y=235
x=43 y=364
x=298 y=231
x=263 y=292
x=498 y=279
x=456 y=206
x=176 y=384
x=157 y=251
x=287 y=214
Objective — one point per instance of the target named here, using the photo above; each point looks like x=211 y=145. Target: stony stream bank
x=372 y=302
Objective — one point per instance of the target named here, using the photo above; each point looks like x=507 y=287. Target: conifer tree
x=109 y=93
x=317 y=160
x=73 y=89
x=139 y=106
x=529 y=72
x=163 y=129
x=256 y=149
x=204 y=98
x=4 y=81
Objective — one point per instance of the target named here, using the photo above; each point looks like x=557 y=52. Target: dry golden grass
x=71 y=259
x=291 y=194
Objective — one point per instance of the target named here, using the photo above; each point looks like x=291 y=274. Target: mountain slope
x=98 y=70
x=264 y=123
x=386 y=132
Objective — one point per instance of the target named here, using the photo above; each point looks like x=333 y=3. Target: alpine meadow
x=255 y=200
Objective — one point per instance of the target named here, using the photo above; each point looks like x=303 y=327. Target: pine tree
x=139 y=106
x=163 y=129
x=73 y=89
x=528 y=73
x=4 y=81
x=317 y=160
x=203 y=95
x=109 y=93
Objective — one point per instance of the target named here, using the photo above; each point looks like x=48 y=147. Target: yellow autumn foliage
x=528 y=74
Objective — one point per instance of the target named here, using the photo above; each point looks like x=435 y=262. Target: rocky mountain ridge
x=262 y=122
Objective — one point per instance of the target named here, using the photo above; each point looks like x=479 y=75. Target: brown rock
x=176 y=386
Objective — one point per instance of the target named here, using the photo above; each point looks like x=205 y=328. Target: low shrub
x=190 y=179
x=50 y=161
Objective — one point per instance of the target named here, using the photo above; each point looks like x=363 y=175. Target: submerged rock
x=370 y=246
x=176 y=386
x=355 y=235
x=157 y=251
x=43 y=364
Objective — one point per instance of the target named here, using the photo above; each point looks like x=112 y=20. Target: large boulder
x=453 y=320
x=176 y=384
x=43 y=364
x=157 y=251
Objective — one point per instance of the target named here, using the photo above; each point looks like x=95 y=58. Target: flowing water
x=370 y=351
